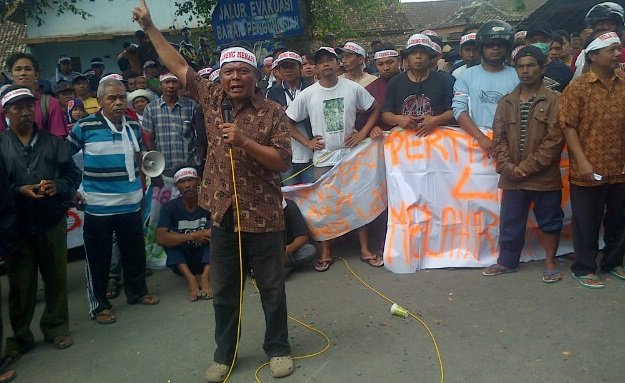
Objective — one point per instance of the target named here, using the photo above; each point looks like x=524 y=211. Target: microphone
x=226 y=111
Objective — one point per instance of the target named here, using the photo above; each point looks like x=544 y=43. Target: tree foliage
x=20 y=10
x=518 y=5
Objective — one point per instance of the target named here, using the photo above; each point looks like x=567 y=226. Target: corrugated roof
x=11 y=35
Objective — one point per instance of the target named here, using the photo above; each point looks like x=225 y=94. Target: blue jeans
x=515 y=206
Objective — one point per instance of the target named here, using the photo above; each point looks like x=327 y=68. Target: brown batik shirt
x=598 y=116
x=258 y=188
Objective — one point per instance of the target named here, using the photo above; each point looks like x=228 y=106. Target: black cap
x=530 y=51
x=78 y=78
x=62 y=86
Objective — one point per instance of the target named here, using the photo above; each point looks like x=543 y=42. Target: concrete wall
x=109 y=16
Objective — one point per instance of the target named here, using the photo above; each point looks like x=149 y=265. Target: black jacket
x=47 y=157
x=7 y=215
x=277 y=93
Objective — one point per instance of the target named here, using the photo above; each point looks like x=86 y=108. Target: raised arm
x=166 y=52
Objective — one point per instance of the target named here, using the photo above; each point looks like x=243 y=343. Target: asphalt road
x=509 y=328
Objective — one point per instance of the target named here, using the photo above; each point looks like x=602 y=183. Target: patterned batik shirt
x=258 y=188
x=598 y=116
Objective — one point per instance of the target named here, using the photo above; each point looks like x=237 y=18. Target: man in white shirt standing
x=332 y=104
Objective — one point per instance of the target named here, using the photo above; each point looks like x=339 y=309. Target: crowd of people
x=250 y=126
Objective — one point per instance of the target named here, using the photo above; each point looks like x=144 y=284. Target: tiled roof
x=530 y=6
x=429 y=14
x=564 y=14
x=11 y=35
x=480 y=12
x=392 y=21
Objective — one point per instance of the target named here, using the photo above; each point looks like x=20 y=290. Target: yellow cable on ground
x=438 y=353
x=329 y=342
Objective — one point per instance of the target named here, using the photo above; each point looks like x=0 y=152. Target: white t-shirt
x=332 y=113
x=301 y=153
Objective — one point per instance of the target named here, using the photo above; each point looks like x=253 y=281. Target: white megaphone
x=153 y=163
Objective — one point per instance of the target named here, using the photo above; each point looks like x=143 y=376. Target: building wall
x=109 y=16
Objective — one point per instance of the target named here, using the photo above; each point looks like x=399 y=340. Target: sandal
x=497 y=269
x=281 y=366
x=205 y=295
x=374 y=261
x=589 y=282
x=61 y=342
x=618 y=272
x=112 y=289
x=105 y=316
x=552 y=276
x=323 y=264
x=149 y=300
x=8 y=376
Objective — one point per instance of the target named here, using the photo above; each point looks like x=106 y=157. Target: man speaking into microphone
x=259 y=141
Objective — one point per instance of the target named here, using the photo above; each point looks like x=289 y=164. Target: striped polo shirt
x=105 y=183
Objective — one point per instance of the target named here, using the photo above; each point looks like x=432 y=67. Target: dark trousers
x=45 y=253
x=265 y=253
x=592 y=207
x=98 y=236
x=515 y=205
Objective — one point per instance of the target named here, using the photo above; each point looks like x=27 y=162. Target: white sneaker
x=217 y=372
x=281 y=366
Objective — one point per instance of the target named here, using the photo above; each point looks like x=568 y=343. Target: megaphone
x=153 y=164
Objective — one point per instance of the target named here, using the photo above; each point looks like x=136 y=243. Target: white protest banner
x=349 y=196
x=444 y=204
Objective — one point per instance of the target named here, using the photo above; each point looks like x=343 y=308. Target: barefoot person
x=258 y=143
x=184 y=232
x=527 y=146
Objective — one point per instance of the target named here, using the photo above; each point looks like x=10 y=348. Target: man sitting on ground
x=184 y=232
x=299 y=250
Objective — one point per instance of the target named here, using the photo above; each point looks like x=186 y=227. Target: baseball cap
x=288 y=56
x=351 y=47
x=13 y=94
x=148 y=64
x=96 y=61
x=325 y=51
x=64 y=58
x=62 y=86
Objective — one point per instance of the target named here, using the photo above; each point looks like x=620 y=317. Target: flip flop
x=205 y=296
x=112 y=289
x=375 y=261
x=323 y=264
x=149 y=300
x=552 y=276
x=618 y=272
x=61 y=342
x=105 y=316
x=586 y=281
x=497 y=269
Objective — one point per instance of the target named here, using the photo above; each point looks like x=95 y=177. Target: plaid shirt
x=166 y=126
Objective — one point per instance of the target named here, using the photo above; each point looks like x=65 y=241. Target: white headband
x=419 y=39
x=167 y=76
x=354 y=48
x=16 y=93
x=214 y=74
x=237 y=54
x=385 y=54
x=185 y=173
x=520 y=35
x=112 y=76
x=468 y=37
x=205 y=71
x=605 y=40
x=288 y=55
